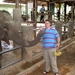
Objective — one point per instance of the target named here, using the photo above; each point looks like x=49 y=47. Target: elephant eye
x=6 y=25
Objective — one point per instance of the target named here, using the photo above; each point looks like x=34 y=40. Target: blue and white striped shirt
x=49 y=38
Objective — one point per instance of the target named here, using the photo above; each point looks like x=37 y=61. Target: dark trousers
x=58 y=17
x=42 y=18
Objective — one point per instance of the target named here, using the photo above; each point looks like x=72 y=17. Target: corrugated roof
x=40 y=2
x=24 y=1
x=62 y=0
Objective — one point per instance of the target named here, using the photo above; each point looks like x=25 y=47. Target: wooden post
x=27 y=10
x=28 y=35
x=70 y=29
x=49 y=13
x=72 y=14
x=35 y=12
x=50 y=17
x=17 y=19
x=48 y=5
x=59 y=8
x=58 y=26
x=64 y=11
x=17 y=4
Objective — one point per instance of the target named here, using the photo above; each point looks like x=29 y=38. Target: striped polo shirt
x=49 y=38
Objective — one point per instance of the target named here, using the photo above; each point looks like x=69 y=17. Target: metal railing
x=9 y=50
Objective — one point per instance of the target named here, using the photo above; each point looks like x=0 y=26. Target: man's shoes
x=56 y=74
x=45 y=72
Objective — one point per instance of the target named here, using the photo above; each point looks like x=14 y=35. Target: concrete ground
x=66 y=63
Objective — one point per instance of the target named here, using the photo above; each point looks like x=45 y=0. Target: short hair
x=42 y=4
x=48 y=21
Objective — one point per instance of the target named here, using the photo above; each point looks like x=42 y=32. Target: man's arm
x=58 y=42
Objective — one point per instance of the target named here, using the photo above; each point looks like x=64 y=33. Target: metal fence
x=9 y=50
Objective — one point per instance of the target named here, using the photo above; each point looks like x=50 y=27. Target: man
x=49 y=47
x=42 y=13
x=58 y=14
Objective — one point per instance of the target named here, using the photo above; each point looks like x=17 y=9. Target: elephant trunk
x=20 y=41
x=36 y=40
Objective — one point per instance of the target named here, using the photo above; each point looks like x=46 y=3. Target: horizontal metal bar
x=10 y=64
x=5 y=51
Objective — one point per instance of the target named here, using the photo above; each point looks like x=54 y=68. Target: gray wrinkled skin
x=8 y=31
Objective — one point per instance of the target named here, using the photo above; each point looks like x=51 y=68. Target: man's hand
x=57 y=45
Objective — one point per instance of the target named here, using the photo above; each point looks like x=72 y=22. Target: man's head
x=42 y=5
x=47 y=24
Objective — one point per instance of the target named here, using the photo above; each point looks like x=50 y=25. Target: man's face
x=47 y=24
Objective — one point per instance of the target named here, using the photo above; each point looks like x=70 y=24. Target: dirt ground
x=66 y=62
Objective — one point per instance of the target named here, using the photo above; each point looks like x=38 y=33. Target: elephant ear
x=3 y=25
x=5 y=29
x=2 y=32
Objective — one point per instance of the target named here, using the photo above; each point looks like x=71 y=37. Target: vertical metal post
x=0 y=54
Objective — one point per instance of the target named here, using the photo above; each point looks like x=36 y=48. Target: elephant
x=8 y=31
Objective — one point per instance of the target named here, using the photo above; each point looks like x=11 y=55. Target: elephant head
x=8 y=31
